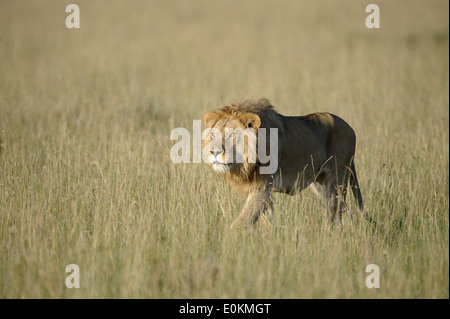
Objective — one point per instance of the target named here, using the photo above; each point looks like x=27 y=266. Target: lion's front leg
x=258 y=201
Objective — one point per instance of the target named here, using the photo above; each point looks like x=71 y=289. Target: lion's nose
x=215 y=153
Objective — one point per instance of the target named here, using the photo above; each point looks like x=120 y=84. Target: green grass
x=85 y=172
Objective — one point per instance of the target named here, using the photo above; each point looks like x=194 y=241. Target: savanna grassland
x=85 y=172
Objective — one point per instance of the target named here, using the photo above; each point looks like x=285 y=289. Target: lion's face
x=230 y=142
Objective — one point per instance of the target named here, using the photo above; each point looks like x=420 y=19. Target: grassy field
x=85 y=172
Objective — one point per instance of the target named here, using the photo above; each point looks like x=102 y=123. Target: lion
x=315 y=150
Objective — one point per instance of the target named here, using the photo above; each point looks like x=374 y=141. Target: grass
x=85 y=172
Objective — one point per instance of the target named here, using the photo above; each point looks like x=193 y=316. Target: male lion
x=315 y=150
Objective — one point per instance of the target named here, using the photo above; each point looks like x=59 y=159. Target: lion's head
x=231 y=136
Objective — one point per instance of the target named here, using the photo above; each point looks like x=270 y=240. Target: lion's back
x=311 y=141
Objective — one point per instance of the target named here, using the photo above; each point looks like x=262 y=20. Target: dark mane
x=259 y=107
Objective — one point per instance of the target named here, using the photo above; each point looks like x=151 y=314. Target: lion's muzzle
x=219 y=164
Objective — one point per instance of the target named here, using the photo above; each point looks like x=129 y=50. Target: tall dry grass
x=85 y=173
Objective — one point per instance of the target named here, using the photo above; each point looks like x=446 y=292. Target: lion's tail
x=357 y=193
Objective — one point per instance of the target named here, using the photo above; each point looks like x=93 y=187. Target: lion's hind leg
x=316 y=188
x=334 y=191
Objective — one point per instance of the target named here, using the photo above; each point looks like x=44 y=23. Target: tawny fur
x=315 y=149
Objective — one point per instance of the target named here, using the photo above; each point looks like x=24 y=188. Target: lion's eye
x=212 y=135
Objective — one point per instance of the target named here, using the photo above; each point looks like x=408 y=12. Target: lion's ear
x=210 y=118
x=250 y=120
